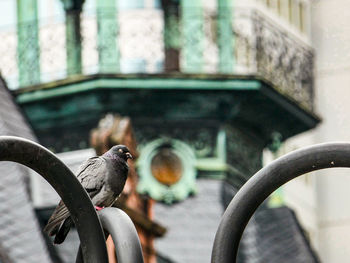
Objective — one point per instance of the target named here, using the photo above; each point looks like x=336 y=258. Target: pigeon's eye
x=120 y=150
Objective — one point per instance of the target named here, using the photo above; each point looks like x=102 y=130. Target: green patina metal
x=107 y=27
x=194 y=163
x=215 y=167
x=73 y=43
x=276 y=142
x=246 y=101
x=221 y=145
x=51 y=91
x=148 y=184
x=218 y=125
x=72 y=4
x=73 y=35
x=216 y=164
x=225 y=36
x=172 y=36
x=192 y=36
x=28 y=52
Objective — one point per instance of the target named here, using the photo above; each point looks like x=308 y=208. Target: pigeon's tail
x=58 y=223
x=63 y=231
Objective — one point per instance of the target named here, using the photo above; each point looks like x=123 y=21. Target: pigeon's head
x=120 y=151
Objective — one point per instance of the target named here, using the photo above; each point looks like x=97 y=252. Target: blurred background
x=204 y=93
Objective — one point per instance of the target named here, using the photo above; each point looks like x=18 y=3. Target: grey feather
x=103 y=178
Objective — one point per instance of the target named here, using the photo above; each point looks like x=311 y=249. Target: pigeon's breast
x=117 y=177
x=104 y=198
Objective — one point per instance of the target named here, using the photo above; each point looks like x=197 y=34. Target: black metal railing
x=114 y=221
x=265 y=182
x=119 y=225
x=76 y=199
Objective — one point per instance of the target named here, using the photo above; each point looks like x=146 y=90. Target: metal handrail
x=118 y=224
x=263 y=183
x=74 y=196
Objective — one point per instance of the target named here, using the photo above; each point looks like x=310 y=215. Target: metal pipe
x=119 y=225
x=83 y=213
x=263 y=183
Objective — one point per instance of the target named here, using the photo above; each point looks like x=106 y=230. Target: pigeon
x=103 y=177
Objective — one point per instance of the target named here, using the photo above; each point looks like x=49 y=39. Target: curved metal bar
x=83 y=213
x=119 y=225
x=263 y=183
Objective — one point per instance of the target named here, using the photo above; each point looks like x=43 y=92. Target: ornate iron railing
x=141 y=44
x=266 y=49
x=284 y=61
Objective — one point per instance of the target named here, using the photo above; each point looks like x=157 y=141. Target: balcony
x=145 y=41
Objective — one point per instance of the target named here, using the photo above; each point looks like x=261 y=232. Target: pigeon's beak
x=128 y=155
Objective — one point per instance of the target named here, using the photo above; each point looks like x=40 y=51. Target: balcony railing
x=259 y=47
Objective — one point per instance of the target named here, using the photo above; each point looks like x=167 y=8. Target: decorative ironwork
x=192 y=37
x=28 y=53
x=8 y=58
x=107 y=36
x=225 y=36
x=244 y=43
x=201 y=140
x=138 y=42
x=284 y=61
x=162 y=190
x=268 y=50
x=52 y=43
x=89 y=35
x=211 y=47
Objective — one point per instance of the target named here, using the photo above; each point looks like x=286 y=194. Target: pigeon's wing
x=92 y=175
x=60 y=214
